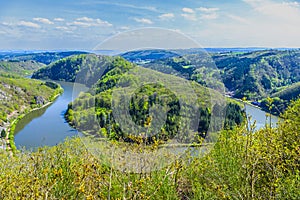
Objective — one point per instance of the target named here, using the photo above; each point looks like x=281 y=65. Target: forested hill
x=41 y=57
x=104 y=74
x=86 y=68
x=259 y=74
x=105 y=105
x=254 y=75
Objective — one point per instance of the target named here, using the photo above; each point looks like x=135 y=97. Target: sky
x=83 y=25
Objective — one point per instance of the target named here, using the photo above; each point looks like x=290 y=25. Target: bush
x=241 y=165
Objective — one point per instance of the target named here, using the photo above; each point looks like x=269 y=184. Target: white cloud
x=283 y=12
x=62 y=28
x=268 y=23
x=28 y=24
x=58 y=19
x=188 y=10
x=124 y=5
x=207 y=10
x=42 y=20
x=190 y=17
x=238 y=18
x=89 y=22
x=125 y=28
x=21 y=23
x=208 y=13
x=85 y=19
x=166 y=16
x=205 y=13
x=143 y=20
x=209 y=16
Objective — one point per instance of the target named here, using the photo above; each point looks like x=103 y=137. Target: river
x=260 y=117
x=47 y=126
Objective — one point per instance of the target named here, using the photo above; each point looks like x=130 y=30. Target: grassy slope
x=22 y=68
x=17 y=95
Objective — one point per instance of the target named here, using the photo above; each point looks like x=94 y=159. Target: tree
x=3 y=133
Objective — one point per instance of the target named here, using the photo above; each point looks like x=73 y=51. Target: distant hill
x=41 y=57
x=22 y=68
x=253 y=75
x=148 y=55
x=85 y=68
x=156 y=54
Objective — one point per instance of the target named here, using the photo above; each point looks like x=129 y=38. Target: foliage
x=17 y=95
x=95 y=107
x=242 y=165
x=22 y=68
x=254 y=75
x=251 y=165
x=3 y=133
x=281 y=99
x=85 y=68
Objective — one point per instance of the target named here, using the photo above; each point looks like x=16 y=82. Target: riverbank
x=10 y=144
x=47 y=126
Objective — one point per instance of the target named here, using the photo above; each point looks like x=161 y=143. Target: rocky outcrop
x=4 y=96
x=39 y=100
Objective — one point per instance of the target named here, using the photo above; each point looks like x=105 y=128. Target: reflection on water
x=28 y=118
x=47 y=126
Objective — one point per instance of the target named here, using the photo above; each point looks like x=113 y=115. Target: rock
x=39 y=100
x=4 y=96
x=17 y=89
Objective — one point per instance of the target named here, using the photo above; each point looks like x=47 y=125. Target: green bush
x=242 y=165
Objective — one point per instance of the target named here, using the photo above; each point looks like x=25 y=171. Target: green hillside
x=108 y=97
x=281 y=99
x=19 y=95
x=259 y=74
x=288 y=93
x=85 y=68
x=254 y=75
x=106 y=73
x=22 y=68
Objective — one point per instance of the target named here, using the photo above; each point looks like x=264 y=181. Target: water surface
x=47 y=126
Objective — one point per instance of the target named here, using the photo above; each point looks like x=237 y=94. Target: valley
x=86 y=98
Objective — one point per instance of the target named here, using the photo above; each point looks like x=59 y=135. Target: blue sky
x=77 y=24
